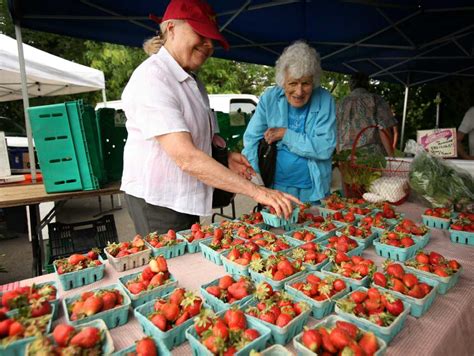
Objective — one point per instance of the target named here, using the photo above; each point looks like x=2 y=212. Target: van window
x=246 y=106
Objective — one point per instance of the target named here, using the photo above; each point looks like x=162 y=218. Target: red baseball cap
x=198 y=14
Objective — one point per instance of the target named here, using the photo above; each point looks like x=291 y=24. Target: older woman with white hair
x=300 y=117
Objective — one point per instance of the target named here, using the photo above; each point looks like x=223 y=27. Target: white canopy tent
x=47 y=74
x=27 y=72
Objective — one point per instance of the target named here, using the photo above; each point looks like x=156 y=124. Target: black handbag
x=221 y=198
x=267 y=154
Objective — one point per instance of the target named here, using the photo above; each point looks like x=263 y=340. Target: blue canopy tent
x=402 y=41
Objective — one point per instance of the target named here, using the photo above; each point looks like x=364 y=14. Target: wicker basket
x=394 y=168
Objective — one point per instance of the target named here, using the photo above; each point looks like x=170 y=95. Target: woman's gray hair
x=164 y=25
x=299 y=60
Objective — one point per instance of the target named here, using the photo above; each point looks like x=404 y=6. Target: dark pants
x=149 y=218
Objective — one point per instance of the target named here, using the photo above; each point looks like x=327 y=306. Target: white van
x=227 y=103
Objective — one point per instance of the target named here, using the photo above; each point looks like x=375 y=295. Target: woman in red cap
x=168 y=175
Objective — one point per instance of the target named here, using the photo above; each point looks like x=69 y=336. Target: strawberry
x=235 y=319
x=146 y=347
x=136 y=287
x=283 y=320
x=214 y=344
x=395 y=270
x=220 y=330
x=177 y=296
x=170 y=311
x=326 y=341
x=358 y=296
x=203 y=322
x=368 y=343
x=62 y=334
x=269 y=317
x=410 y=280
x=416 y=292
x=159 y=321
x=351 y=329
x=86 y=295
x=5 y=327
x=379 y=279
x=182 y=318
x=311 y=339
x=93 y=305
x=286 y=268
x=16 y=329
x=191 y=303
x=251 y=334
x=435 y=258
x=339 y=338
x=87 y=338
x=93 y=254
x=214 y=290
x=225 y=282
x=147 y=274
x=394 y=306
x=75 y=259
x=39 y=308
x=109 y=300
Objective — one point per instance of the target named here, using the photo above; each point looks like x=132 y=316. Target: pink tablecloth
x=446 y=329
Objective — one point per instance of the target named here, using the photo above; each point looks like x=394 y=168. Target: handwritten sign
x=438 y=142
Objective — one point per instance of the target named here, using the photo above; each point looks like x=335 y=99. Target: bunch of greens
x=361 y=174
x=440 y=182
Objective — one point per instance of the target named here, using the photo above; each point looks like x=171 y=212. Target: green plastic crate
x=66 y=141
x=113 y=135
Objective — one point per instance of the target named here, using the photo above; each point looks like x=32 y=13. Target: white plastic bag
x=391 y=189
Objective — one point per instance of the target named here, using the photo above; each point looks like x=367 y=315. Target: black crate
x=80 y=237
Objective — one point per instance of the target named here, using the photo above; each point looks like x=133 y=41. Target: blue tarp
x=401 y=41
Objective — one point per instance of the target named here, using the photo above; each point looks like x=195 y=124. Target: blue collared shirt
x=316 y=143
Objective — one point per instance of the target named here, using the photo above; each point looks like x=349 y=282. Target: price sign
x=438 y=142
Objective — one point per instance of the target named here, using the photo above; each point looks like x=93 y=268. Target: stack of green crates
x=68 y=146
x=232 y=134
x=113 y=135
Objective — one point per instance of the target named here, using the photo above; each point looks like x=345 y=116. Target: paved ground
x=17 y=250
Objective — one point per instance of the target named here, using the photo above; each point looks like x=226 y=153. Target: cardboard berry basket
x=386 y=333
x=233 y=268
x=462 y=237
x=149 y=294
x=352 y=283
x=81 y=277
x=134 y=260
x=444 y=283
x=422 y=240
x=319 y=309
x=191 y=247
x=169 y=251
x=170 y=338
x=276 y=285
x=107 y=343
x=112 y=317
x=160 y=347
x=436 y=222
x=396 y=253
x=276 y=350
x=18 y=347
x=325 y=212
x=54 y=302
x=418 y=306
x=210 y=254
x=258 y=344
x=279 y=335
x=329 y=322
x=216 y=304
x=276 y=221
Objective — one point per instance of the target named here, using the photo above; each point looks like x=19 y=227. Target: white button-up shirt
x=162 y=98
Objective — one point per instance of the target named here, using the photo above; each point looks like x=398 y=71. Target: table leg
x=36 y=239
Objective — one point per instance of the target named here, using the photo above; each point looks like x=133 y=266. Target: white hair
x=164 y=26
x=298 y=60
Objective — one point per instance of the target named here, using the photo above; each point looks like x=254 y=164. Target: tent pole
x=405 y=104
x=26 y=103
x=104 y=98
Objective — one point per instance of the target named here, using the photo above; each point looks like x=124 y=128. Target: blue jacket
x=317 y=143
